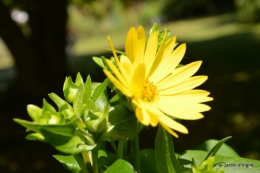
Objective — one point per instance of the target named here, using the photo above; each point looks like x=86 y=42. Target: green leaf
x=237 y=165
x=61 y=137
x=47 y=107
x=35 y=137
x=68 y=162
x=64 y=129
x=227 y=164
x=99 y=61
x=87 y=89
x=103 y=160
x=120 y=166
x=147 y=158
x=123 y=124
x=60 y=102
x=100 y=89
x=215 y=149
x=68 y=145
x=166 y=160
x=78 y=104
x=225 y=150
x=79 y=81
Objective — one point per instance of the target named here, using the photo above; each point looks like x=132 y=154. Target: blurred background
x=41 y=42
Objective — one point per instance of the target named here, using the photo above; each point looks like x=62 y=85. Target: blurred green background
x=41 y=42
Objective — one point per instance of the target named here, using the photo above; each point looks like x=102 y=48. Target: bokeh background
x=41 y=42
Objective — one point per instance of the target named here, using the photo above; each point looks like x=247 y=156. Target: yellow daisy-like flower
x=159 y=91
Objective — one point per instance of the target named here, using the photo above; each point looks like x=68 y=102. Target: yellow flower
x=159 y=92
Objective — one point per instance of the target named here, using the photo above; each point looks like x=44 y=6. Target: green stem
x=136 y=155
x=113 y=146
x=81 y=163
x=87 y=160
x=125 y=147
x=120 y=151
x=95 y=160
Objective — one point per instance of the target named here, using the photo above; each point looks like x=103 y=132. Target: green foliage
x=120 y=166
x=166 y=160
x=248 y=11
x=69 y=163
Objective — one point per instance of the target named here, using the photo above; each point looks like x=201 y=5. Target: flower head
x=159 y=90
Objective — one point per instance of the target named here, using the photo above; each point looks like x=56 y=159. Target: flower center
x=149 y=92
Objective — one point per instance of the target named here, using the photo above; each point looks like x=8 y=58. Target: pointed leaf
x=100 y=89
x=65 y=129
x=78 y=104
x=79 y=81
x=166 y=160
x=68 y=162
x=225 y=150
x=215 y=149
x=147 y=159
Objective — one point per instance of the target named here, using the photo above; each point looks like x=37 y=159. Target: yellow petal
x=179 y=75
x=131 y=44
x=173 y=124
x=194 y=96
x=180 y=113
x=169 y=130
x=142 y=116
x=150 y=51
x=127 y=68
x=119 y=76
x=118 y=85
x=153 y=116
x=113 y=49
x=184 y=86
x=141 y=43
x=138 y=80
x=170 y=62
x=163 y=59
x=185 y=104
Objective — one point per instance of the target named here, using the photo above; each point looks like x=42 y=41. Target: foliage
x=82 y=124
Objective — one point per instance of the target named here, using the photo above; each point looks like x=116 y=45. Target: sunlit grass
x=6 y=59
x=191 y=30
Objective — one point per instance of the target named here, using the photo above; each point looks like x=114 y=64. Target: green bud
x=35 y=137
x=34 y=112
x=154 y=28
x=163 y=36
x=97 y=125
x=55 y=119
x=70 y=88
x=70 y=91
x=80 y=123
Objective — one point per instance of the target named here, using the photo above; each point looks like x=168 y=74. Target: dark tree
x=40 y=60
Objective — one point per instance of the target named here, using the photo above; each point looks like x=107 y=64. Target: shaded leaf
x=120 y=166
x=69 y=163
x=147 y=159
x=166 y=160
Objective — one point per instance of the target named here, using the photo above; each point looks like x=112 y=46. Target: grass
x=6 y=59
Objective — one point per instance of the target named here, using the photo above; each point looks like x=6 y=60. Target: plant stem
x=113 y=146
x=95 y=160
x=125 y=147
x=87 y=160
x=81 y=163
x=120 y=151
x=136 y=155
